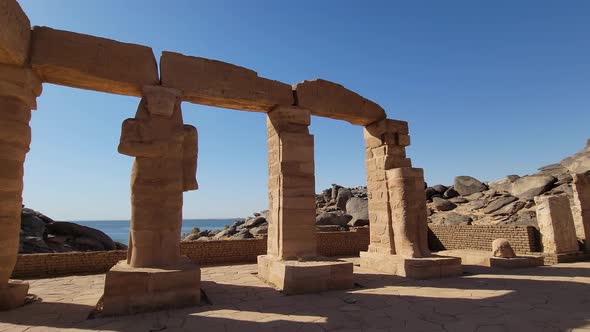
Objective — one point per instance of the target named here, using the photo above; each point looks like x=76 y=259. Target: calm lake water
x=118 y=230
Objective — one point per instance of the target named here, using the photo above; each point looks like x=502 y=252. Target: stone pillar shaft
x=556 y=224
x=291 y=184
x=408 y=211
x=18 y=89
x=165 y=165
x=581 y=187
x=385 y=143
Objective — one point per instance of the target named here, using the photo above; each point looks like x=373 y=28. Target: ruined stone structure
x=581 y=208
x=397 y=208
x=154 y=275
x=556 y=224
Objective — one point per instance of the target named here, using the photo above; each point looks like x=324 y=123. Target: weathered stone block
x=13 y=295
x=556 y=224
x=132 y=290
x=331 y=100
x=220 y=84
x=581 y=206
x=15 y=33
x=295 y=277
x=93 y=63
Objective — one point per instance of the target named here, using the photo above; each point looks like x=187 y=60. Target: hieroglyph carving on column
x=165 y=152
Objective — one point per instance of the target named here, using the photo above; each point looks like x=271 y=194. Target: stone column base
x=13 y=296
x=416 y=268
x=311 y=276
x=516 y=262
x=130 y=290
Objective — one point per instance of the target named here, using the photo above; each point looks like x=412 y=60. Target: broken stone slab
x=93 y=63
x=332 y=100
x=15 y=34
x=221 y=84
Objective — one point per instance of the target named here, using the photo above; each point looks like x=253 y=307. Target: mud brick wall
x=202 y=252
x=223 y=251
x=524 y=239
x=48 y=265
x=343 y=243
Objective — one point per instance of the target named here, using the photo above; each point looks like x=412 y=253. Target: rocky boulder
x=441 y=204
x=467 y=185
x=333 y=218
x=358 y=208
x=528 y=187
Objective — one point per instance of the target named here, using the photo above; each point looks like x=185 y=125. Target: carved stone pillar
x=397 y=208
x=19 y=88
x=155 y=276
x=291 y=263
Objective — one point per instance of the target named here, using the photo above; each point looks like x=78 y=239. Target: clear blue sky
x=489 y=89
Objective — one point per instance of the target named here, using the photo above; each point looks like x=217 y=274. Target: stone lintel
x=332 y=100
x=92 y=63
x=415 y=268
x=221 y=84
x=299 y=277
x=131 y=290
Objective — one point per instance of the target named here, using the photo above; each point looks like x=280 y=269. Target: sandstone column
x=156 y=137
x=291 y=263
x=291 y=184
x=556 y=224
x=581 y=187
x=397 y=208
x=155 y=276
x=19 y=88
x=408 y=211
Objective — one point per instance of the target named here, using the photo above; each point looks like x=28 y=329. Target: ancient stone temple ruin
x=155 y=275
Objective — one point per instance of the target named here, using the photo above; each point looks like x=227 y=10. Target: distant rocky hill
x=508 y=201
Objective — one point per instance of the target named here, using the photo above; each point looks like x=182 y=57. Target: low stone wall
x=524 y=239
x=202 y=252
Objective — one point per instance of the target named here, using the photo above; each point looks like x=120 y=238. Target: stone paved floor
x=555 y=298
